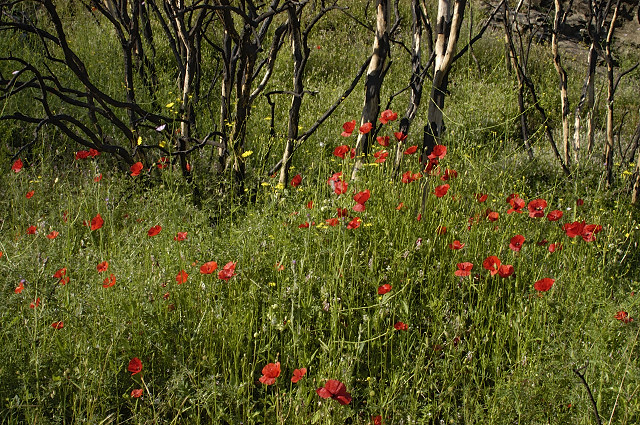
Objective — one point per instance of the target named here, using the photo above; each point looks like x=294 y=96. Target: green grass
x=477 y=349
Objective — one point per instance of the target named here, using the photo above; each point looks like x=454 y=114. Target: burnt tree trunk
x=562 y=74
x=378 y=67
x=420 y=20
x=448 y=25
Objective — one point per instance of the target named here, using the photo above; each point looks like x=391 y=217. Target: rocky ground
x=574 y=38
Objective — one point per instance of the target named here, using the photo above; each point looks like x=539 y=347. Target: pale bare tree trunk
x=609 y=145
x=225 y=98
x=299 y=59
x=188 y=46
x=378 y=68
x=448 y=26
x=562 y=74
x=587 y=99
x=635 y=191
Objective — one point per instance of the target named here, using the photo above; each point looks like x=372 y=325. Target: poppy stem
x=584 y=381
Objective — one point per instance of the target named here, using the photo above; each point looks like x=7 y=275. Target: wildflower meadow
x=472 y=286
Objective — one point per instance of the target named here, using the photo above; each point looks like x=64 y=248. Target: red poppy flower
x=449 y=174
x=555 y=247
x=383 y=140
x=162 y=163
x=433 y=162
x=19 y=288
x=102 y=267
x=17 y=166
x=304 y=225
x=400 y=206
x=180 y=236
x=456 y=245
x=516 y=205
x=505 y=270
x=279 y=267
x=135 y=366
x=354 y=224
x=589 y=232
x=96 y=222
x=464 y=269
x=342 y=212
x=419 y=217
x=60 y=273
x=30 y=194
x=377 y=420
x=31 y=230
x=439 y=151
x=228 y=271
x=481 y=197
x=511 y=197
x=335 y=177
x=441 y=230
x=411 y=150
x=400 y=326
x=109 y=281
x=536 y=208
x=296 y=180
x=332 y=221
x=57 y=325
x=493 y=216
x=81 y=155
x=574 y=229
x=362 y=197
x=623 y=316
x=554 y=215
x=516 y=243
x=1 y=254
x=491 y=263
x=35 y=304
x=340 y=187
x=153 y=231
x=269 y=373
x=136 y=393
x=388 y=115
x=298 y=374
x=348 y=128
x=381 y=156
x=407 y=177
x=340 y=151
x=208 y=267
x=400 y=136
x=579 y=202
x=441 y=190
x=543 y=285
x=383 y=289
x=136 y=168
x=336 y=390
x=365 y=128
x=359 y=208
x=53 y=235
x=182 y=277
x=97 y=178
